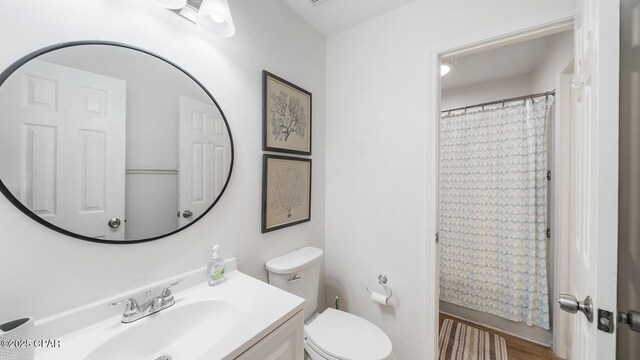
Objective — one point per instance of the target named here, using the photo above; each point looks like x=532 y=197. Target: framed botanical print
x=286 y=116
x=286 y=191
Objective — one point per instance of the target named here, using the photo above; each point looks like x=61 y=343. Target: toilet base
x=312 y=352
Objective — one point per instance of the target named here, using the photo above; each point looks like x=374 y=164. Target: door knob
x=569 y=303
x=631 y=318
x=187 y=214
x=114 y=223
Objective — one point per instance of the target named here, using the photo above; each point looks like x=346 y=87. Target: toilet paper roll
x=379 y=298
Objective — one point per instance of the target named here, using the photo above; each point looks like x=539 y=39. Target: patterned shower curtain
x=493 y=210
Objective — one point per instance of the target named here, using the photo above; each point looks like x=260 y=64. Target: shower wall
x=544 y=77
x=485 y=92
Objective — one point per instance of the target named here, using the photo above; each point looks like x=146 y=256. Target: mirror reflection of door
x=205 y=155
x=71 y=127
x=89 y=133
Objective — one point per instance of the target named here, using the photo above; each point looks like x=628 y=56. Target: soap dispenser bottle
x=215 y=269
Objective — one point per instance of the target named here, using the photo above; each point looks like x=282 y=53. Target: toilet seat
x=336 y=334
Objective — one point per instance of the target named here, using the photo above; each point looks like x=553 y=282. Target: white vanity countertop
x=259 y=309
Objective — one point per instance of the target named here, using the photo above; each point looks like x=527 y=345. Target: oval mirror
x=109 y=143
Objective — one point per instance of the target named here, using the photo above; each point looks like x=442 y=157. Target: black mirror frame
x=16 y=65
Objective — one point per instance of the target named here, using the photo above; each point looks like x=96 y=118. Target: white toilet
x=334 y=334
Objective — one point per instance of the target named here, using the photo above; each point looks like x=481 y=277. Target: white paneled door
x=595 y=177
x=204 y=157
x=70 y=128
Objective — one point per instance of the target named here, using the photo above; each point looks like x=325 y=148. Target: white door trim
x=519 y=30
x=562 y=199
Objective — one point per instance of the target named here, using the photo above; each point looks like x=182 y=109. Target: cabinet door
x=284 y=343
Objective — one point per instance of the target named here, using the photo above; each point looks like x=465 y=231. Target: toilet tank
x=298 y=272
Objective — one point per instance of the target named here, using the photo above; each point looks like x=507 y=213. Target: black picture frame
x=271 y=220
x=267 y=129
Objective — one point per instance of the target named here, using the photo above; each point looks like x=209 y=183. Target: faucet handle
x=130 y=308
x=166 y=293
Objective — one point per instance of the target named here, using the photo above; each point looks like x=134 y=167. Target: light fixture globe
x=171 y=4
x=216 y=16
x=446 y=66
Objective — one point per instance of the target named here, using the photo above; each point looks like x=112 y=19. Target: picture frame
x=286 y=116
x=286 y=191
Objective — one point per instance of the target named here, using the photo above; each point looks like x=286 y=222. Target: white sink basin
x=206 y=322
x=181 y=332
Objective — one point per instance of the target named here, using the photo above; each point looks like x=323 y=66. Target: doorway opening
x=502 y=135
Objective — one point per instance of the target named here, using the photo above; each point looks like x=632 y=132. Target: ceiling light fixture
x=215 y=15
x=446 y=66
x=171 y=4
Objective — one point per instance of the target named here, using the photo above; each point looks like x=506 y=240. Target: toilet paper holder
x=382 y=280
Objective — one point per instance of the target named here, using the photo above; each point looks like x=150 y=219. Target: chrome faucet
x=133 y=311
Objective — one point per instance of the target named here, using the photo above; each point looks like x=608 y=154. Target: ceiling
x=333 y=16
x=504 y=62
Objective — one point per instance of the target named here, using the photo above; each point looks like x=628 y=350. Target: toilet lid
x=347 y=336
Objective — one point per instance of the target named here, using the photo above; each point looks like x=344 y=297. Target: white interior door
x=595 y=175
x=204 y=157
x=69 y=127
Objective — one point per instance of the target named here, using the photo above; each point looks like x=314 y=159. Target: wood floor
x=517 y=349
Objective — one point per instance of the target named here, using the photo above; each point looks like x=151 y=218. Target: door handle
x=570 y=304
x=631 y=318
x=114 y=223
x=187 y=214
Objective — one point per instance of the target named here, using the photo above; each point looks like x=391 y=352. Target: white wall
x=485 y=92
x=43 y=272
x=147 y=213
x=628 y=342
x=376 y=158
x=545 y=76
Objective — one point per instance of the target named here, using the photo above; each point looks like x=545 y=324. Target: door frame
x=523 y=29
x=564 y=198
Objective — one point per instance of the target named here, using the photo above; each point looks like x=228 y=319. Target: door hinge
x=437 y=238
x=548 y=233
x=548 y=175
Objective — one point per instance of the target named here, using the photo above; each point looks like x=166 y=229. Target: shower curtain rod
x=503 y=101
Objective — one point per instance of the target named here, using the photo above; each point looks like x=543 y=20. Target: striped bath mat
x=462 y=342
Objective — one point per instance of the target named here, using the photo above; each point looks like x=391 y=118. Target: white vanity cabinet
x=284 y=343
